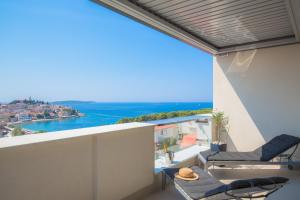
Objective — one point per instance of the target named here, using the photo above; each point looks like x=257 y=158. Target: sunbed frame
x=284 y=159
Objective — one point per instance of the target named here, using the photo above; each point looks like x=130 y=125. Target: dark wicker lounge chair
x=261 y=156
x=207 y=187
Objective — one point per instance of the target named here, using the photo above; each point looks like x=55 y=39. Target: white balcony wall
x=101 y=163
x=259 y=91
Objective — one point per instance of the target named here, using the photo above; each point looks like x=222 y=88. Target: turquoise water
x=97 y=114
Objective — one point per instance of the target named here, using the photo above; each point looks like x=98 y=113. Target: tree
x=46 y=114
x=17 y=131
x=39 y=116
x=73 y=112
x=15 y=102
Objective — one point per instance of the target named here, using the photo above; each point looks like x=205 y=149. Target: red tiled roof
x=165 y=127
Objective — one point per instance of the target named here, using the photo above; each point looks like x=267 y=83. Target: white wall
x=126 y=162
x=101 y=163
x=260 y=92
x=162 y=134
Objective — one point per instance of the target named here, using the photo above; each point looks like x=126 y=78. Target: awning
x=218 y=26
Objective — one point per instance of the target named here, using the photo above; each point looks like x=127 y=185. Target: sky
x=79 y=50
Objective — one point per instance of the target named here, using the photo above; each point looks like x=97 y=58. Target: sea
x=97 y=114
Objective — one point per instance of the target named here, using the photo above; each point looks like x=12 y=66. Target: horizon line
x=134 y=101
x=92 y=101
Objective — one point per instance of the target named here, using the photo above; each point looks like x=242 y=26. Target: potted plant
x=219 y=132
x=169 y=155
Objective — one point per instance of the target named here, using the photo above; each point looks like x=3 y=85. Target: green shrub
x=165 y=115
x=17 y=131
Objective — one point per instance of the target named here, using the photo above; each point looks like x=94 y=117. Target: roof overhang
x=217 y=26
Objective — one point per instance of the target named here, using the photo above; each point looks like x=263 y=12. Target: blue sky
x=78 y=50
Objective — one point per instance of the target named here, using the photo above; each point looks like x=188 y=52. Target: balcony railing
x=107 y=162
x=89 y=163
x=179 y=139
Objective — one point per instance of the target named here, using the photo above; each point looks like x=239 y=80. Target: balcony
x=113 y=162
x=255 y=48
x=107 y=162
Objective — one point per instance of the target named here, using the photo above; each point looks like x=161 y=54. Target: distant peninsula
x=29 y=110
x=165 y=115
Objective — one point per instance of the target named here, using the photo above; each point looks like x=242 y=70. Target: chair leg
x=290 y=167
x=205 y=166
x=163 y=181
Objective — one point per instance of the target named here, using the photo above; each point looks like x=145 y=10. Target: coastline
x=43 y=120
x=17 y=115
x=98 y=114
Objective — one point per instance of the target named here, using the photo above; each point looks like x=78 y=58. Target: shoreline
x=102 y=114
x=41 y=120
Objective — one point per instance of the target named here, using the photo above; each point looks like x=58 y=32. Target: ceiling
x=218 y=26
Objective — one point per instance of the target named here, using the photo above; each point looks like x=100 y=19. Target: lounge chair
x=263 y=155
x=207 y=187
